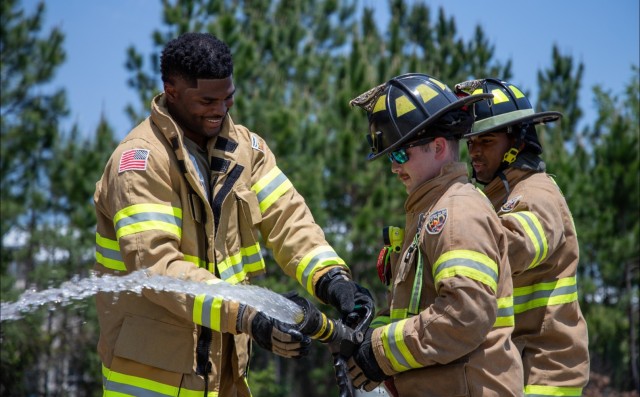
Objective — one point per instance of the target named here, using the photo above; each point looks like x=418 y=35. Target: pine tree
x=610 y=229
x=29 y=131
x=48 y=221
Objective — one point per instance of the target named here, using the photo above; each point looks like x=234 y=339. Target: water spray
x=263 y=299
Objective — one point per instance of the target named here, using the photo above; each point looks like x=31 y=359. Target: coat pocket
x=442 y=380
x=157 y=344
x=249 y=218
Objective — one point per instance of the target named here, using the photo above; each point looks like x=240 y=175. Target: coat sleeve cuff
x=379 y=353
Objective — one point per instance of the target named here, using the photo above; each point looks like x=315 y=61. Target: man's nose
x=472 y=148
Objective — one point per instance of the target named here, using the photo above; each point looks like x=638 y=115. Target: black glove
x=273 y=335
x=337 y=289
x=313 y=321
x=363 y=368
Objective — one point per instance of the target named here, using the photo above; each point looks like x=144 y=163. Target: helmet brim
x=532 y=119
x=430 y=120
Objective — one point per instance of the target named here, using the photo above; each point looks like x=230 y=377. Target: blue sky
x=604 y=35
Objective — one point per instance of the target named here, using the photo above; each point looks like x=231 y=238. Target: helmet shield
x=402 y=109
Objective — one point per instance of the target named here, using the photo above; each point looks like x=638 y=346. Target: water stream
x=263 y=299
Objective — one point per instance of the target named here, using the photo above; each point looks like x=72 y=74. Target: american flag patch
x=134 y=159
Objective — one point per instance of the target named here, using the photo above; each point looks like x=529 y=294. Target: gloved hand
x=273 y=335
x=337 y=289
x=364 y=371
x=315 y=322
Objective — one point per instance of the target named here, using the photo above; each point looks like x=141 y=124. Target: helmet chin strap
x=507 y=159
x=511 y=154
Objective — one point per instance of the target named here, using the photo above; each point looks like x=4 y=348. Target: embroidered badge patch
x=511 y=204
x=436 y=221
x=257 y=143
x=134 y=160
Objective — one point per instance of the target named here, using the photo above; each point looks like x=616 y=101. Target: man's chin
x=482 y=178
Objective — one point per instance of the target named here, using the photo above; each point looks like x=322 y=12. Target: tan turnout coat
x=550 y=330
x=456 y=340
x=155 y=214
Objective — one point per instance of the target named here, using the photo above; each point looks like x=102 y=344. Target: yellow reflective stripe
x=427 y=93
x=119 y=384
x=403 y=105
x=380 y=321
x=399 y=314
x=226 y=268
x=115 y=384
x=416 y=290
x=505 y=316
x=533 y=228
x=557 y=292
x=206 y=311
x=108 y=253
x=271 y=187
x=235 y=267
x=466 y=263
x=318 y=258
x=143 y=217
x=440 y=84
x=381 y=104
x=516 y=91
x=395 y=348
x=146 y=226
x=499 y=96
x=197 y=261
x=142 y=208
x=540 y=391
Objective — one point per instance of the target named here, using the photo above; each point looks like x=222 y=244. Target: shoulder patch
x=436 y=221
x=257 y=143
x=511 y=204
x=133 y=160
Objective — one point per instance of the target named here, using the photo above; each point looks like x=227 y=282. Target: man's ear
x=171 y=91
x=512 y=141
x=440 y=146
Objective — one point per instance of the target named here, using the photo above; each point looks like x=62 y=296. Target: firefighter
x=186 y=194
x=450 y=298
x=504 y=149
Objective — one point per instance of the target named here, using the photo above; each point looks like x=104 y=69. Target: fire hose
x=341 y=337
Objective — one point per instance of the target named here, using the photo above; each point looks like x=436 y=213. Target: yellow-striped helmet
x=509 y=110
x=414 y=106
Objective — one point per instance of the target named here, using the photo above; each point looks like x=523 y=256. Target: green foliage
x=48 y=221
x=611 y=248
x=265 y=382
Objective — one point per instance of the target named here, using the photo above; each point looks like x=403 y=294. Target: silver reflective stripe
x=544 y=294
x=312 y=264
x=131 y=390
x=271 y=186
x=109 y=253
x=505 y=311
x=232 y=271
x=148 y=216
x=394 y=347
x=468 y=263
x=206 y=311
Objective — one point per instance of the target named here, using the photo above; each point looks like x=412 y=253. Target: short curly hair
x=195 y=56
